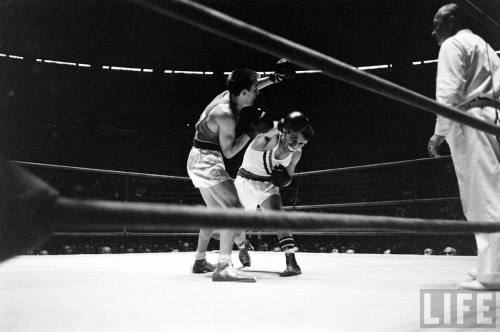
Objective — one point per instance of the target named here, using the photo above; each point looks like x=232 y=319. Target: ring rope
x=82 y=215
x=299 y=207
x=253 y=232
x=218 y=23
x=369 y=166
x=102 y=171
x=480 y=16
x=372 y=204
x=123 y=233
x=185 y=178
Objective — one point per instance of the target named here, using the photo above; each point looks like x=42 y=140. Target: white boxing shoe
x=472 y=285
x=225 y=272
x=472 y=274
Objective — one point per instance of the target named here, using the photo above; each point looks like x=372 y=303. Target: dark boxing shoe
x=243 y=254
x=202 y=266
x=292 y=268
x=225 y=272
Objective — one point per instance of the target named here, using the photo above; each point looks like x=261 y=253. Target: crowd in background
x=372 y=244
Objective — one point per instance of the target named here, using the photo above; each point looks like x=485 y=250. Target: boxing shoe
x=243 y=254
x=292 y=268
x=472 y=285
x=225 y=272
x=472 y=274
x=202 y=266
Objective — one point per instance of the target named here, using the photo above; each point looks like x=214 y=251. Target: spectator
x=105 y=250
x=449 y=251
x=263 y=247
x=67 y=250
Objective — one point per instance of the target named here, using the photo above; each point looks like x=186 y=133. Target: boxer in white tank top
x=268 y=161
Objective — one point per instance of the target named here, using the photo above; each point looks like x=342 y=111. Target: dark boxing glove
x=262 y=125
x=247 y=115
x=280 y=176
x=253 y=121
x=283 y=72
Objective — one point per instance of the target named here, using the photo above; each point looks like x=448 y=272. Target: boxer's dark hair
x=299 y=123
x=241 y=79
x=307 y=132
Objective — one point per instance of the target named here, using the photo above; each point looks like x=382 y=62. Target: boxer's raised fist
x=254 y=120
x=283 y=72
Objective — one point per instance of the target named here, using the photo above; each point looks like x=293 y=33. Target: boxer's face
x=292 y=141
x=441 y=26
x=251 y=94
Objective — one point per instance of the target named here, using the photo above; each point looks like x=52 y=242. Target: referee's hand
x=434 y=145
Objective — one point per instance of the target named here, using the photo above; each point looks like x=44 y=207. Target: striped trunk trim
x=266 y=166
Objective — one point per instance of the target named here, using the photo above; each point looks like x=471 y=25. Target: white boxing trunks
x=252 y=193
x=206 y=168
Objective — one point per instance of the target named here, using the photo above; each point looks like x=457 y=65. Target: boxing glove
x=283 y=72
x=254 y=120
x=280 y=176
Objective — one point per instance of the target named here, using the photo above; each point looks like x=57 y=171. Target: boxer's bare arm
x=261 y=141
x=264 y=82
x=229 y=144
x=293 y=163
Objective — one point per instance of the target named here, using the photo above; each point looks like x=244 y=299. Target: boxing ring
x=151 y=292
x=157 y=291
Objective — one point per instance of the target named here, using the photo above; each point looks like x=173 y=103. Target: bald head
x=454 y=10
x=448 y=9
x=448 y=20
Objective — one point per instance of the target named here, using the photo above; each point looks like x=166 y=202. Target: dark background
x=144 y=121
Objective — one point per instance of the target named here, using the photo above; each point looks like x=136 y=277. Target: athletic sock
x=200 y=255
x=225 y=259
x=287 y=243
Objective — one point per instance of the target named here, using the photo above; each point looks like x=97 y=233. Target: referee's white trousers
x=476 y=158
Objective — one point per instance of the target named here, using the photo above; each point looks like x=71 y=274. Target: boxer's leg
x=248 y=194
x=200 y=264
x=226 y=195
x=287 y=243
